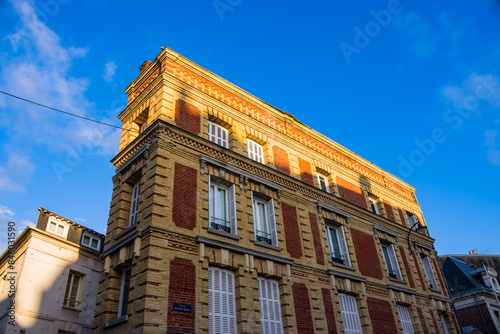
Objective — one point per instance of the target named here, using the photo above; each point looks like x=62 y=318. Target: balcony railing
x=263 y=237
x=220 y=224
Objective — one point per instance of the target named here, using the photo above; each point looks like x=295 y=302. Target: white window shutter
x=272 y=222
x=222 y=311
x=343 y=245
x=232 y=209
x=404 y=316
x=270 y=306
x=350 y=315
x=429 y=272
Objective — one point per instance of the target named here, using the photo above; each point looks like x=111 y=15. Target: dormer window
x=90 y=241
x=57 y=228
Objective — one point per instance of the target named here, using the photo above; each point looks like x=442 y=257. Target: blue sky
x=411 y=85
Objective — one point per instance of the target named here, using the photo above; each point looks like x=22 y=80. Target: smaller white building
x=56 y=274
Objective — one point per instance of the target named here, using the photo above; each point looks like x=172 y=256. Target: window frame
x=443 y=323
x=270 y=325
x=324 y=178
x=391 y=260
x=69 y=288
x=57 y=223
x=343 y=249
x=85 y=234
x=124 y=292
x=429 y=271
x=255 y=151
x=374 y=205
x=411 y=218
x=134 y=203
x=230 y=200
x=230 y=320
x=214 y=138
x=405 y=318
x=270 y=218
x=349 y=317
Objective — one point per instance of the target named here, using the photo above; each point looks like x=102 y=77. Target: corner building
x=230 y=216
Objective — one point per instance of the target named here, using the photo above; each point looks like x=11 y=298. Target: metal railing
x=220 y=224
x=263 y=237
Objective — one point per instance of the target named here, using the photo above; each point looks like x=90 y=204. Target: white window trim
x=344 y=252
x=323 y=178
x=67 y=294
x=227 y=320
x=58 y=223
x=270 y=221
x=134 y=203
x=122 y=292
x=429 y=272
x=443 y=323
x=404 y=317
x=90 y=241
x=374 y=205
x=392 y=259
x=270 y=306
x=230 y=207
x=220 y=137
x=255 y=151
x=350 y=314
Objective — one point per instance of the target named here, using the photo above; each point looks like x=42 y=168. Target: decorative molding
x=401 y=289
x=128 y=239
x=385 y=230
x=346 y=275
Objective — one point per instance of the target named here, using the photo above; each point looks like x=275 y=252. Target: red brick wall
x=422 y=320
x=187 y=117
x=182 y=290
x=351 y=192
x=420 y=277
x=302 y=308
x=389 y=212
x=471 y=317
x=381 y=316
x=329 y=313
x=292 y=232
x=407 y=267
x=366 y=254
x=403 y=221
x=184 y=201
x=306 y=172
x=318 y=248
x=281 y=160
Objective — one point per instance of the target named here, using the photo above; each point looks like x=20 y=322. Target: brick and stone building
x=53 y=280
x=474 y=289
x=231 y=216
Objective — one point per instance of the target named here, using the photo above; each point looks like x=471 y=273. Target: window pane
x=334 y=243
x=95 y=243
x=52 y=227
x=212 y=202
x=60 y=229
x=387 y=258
x=86 y=240
x=221 y=205
x=261 y=211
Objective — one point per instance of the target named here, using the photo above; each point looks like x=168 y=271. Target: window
x=142 y=120
x=350 y=316
x=412 y=219
x=57 y=228
x=443 y=323
x=374 y=205
x=255 y=151
x=404 y=316
x=90 y=241
x=221 y=301
x=134 y=205
x=431 y=279
x=270 y=306
x=323 y=182
x=72 y=294
x=222 y=207
x=391 y=261
x=124 y=291
x=217 y=134
x=264 y=221
x=337 y=244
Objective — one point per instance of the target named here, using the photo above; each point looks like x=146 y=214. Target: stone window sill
x=263 y=244
x=115 y=322
x=224 y=234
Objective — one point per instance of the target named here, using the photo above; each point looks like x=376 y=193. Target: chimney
x=144 y=65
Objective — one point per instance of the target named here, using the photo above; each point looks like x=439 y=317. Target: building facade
x=474 y=289
x=56 y=272
x=230 y=216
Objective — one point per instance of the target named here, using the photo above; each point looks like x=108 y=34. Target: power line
x=64 y=112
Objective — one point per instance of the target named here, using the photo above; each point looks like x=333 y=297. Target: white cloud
x=6 y=211
x=491 y=143
x=81 y=220
x=422 y=38
x=16 y=173
x=109 y=71
x=476 y=87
